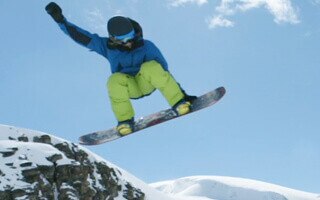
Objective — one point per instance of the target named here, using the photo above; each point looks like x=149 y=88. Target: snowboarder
x=137 y=65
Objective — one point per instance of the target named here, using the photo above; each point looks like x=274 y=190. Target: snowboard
x=201 y=102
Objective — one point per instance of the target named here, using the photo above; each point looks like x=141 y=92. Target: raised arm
x=82 y=37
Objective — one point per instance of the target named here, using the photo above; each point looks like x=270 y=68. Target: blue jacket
x=128 y=62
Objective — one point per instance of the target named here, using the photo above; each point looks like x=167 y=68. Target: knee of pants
x=151 y=67
x=123 y=86
x=154 y=73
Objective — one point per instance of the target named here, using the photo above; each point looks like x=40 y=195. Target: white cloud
x=176 y=3
x=219 y=21
x=251 y=4
x=282 y=10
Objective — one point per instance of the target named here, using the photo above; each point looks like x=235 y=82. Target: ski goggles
x=123 y=39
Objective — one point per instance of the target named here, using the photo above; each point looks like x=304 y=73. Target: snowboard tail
x=201 y=102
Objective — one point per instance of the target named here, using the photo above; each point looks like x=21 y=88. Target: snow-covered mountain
x=36 y=165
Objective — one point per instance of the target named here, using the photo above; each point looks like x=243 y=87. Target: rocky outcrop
x=35 y=167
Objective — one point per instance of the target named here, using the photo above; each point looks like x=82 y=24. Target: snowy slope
x=228 y=188
x=21 y=142
x=37 y=153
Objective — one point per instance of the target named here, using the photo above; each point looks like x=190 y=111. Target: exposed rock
x=9 y=152
x=65 y=172
x=132 y=193
x=64 y=147
x=54 y=158
x=23 y=138
x=5 y=195
x=46 y=139
x=26 y=164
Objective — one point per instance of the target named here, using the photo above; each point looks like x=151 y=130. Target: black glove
x=55 y=11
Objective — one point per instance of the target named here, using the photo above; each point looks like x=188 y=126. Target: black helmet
x=121 y=28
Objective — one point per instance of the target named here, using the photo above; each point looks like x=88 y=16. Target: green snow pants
x=123 y=87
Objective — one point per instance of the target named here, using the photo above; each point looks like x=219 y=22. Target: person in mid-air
x=137 y=65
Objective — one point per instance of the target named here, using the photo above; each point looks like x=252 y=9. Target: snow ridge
x=229 y=188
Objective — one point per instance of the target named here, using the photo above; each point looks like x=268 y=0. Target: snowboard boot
x=125 y=127
x=182 y=107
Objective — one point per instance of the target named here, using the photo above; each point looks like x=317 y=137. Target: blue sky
x=266 y=54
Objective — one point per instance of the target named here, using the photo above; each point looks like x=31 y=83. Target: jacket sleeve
x=153 y=53
x=91 y=41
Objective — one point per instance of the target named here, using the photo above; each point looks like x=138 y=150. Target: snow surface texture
x=189 y=188
x=228 y=188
